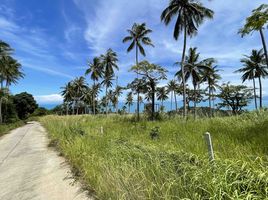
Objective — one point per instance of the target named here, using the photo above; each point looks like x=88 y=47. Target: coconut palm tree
x=138 y=36
x=117 y=93
x=162 y=94
x=211 y=77
x=171 y=88
x=194 y=70
x=79 y=87
x=129 y=100
x=253 y=67
x=109 y=64
x=257 y=22
x=4 y=93
x=5 y=49
x=96 y=71
x=68 y=95
x=189 y=15
x=107 y=83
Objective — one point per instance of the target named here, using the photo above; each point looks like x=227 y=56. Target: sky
x=55 y=39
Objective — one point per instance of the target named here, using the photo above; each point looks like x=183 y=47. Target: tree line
x=12 y=107
x=196 y=79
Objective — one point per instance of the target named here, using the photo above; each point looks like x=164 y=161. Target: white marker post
x=101 y=130
x=210 y=147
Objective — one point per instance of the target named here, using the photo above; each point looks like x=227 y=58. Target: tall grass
x=125 y=163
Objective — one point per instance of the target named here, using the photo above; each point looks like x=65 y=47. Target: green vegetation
x=166 y=159
x=5 y=128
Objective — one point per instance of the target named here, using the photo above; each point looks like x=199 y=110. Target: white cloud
x=49 y=99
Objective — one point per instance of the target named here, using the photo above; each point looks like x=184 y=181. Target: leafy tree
x=189 y=15
x=25 y=104
x=151 y=74
x=235 y=97
x=138 y=36
x=257 y=22
x=4 y=94
x=253 y=67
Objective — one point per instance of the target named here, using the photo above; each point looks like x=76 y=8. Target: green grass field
x=126 y=163
x=5 y=128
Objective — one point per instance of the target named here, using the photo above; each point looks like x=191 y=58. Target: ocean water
x=167 y=105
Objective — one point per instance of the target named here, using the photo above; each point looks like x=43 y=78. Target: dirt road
x=30 y=170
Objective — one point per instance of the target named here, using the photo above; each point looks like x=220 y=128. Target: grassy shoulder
x=5 y=128
x=124 y=162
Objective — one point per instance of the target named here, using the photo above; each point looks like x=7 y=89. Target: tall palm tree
x=4 y=93
x=138 y=36
x=5 y=49
x=79 y=87
x=257 y=22
x=96 y=71
x=171 y=88
x=109 y=64
x=129 y=100
x=107 y=82
x=194 y=70
x=68 y=95
x=212 y=77
x=189 y=16
x=117 y=93
x=253 y=67
x=10 y=70
x=162 y=95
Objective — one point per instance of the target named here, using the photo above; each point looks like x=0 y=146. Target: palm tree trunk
x=183 y=75
x=194 y=101
x=264 y=46
x=255 y=96
x=106 y=100
x=171 y=101
x=260 y=84
x=209 y=100
x=153 y=99
x=138 y=92
x=93 y=98
x=176 y=105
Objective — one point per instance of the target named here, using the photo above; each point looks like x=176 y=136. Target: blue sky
x=54 y=39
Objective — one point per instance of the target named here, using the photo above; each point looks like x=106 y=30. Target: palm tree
x=189 y=16
x=109 y=64
x=171 y=88
x=5 y=49
x=107 y=82
x=254 y=68
x=117 y=93
x=79 y=87
x=3 y=97
x=162 y=94
x=96 y=71
x=212 y=77
x=129 y=100
x=68 y=94
x=256 y=22
x=194 y=70
x=138 y=36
